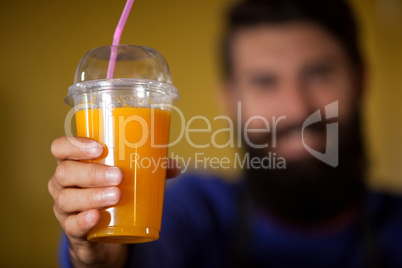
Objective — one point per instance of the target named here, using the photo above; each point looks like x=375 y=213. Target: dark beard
x=311 y=191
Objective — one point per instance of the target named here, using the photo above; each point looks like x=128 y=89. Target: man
x=287 y=58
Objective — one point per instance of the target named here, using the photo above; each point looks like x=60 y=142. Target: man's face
x=290 y=70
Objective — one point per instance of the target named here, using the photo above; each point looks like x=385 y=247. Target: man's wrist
x=103 y=256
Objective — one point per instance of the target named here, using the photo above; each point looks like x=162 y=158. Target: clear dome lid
x=135 y=65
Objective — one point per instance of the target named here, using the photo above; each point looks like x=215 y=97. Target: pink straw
x=116 y=38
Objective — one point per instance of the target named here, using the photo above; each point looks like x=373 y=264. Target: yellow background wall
x=42 y=42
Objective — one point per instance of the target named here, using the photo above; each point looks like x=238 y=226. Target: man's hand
x=79 y=190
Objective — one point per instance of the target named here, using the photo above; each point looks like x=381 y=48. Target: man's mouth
x=290 y=144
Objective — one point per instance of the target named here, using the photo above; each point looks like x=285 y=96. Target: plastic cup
x=130 y=116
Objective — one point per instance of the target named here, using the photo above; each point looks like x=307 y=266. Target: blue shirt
x=200 y=229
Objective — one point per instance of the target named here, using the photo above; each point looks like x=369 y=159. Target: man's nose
x=297 y=103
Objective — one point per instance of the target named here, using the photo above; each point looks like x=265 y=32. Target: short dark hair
x=335 y=16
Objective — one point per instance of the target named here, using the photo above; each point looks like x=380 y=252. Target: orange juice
x=135 y=140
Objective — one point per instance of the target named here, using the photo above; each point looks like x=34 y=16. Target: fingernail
x=113 y=175
x=94 y=150
x=109 y=195
x=89 y=218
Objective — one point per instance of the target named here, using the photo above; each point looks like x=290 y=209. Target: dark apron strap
x=242 y=237
x=371 y=224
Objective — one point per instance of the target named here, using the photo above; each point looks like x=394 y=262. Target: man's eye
x=263 y=81
x=318 y=72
